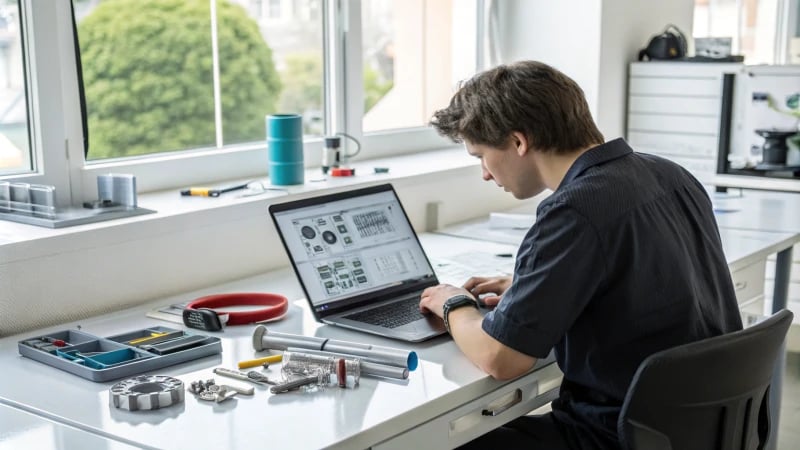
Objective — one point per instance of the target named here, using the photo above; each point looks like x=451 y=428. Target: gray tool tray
x=103 y=359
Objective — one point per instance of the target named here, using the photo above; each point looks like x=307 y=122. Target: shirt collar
x=595 y=156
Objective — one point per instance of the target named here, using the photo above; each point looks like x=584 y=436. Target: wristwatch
x=454 y=302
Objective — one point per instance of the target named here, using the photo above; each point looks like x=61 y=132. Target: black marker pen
x=211 y=192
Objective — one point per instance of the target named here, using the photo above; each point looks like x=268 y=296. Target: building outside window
x=764 y=31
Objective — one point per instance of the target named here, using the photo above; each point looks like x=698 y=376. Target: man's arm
x=492 y=356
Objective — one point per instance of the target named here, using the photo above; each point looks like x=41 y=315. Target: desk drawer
x=752 y=311
x=793 y=338
x=473 y=419
x=688 y=88
x=748 y=282
x=673 y=124
x=660 y=143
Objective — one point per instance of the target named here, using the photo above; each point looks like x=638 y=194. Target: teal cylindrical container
x=285 y=148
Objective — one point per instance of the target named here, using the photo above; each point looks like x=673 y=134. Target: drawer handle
x=740 y=285
x=496 y=412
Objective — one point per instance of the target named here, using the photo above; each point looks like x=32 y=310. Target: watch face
x=202 y=319
x=459 y=300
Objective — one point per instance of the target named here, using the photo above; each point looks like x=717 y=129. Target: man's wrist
x=455 y=302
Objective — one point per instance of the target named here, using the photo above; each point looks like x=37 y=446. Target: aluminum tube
x=367 y=367
x=264 y=340
x=385 y=355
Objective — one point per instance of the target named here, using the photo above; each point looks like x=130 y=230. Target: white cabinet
x=674 y=111
x=462 y=424
x=748 y=283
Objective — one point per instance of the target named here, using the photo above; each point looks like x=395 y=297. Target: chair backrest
x=710 y=394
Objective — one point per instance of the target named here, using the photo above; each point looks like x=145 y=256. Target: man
x=624 y=259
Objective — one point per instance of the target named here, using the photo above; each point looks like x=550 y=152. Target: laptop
x=359 y=262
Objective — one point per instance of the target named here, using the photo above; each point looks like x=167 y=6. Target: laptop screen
x=353 y=245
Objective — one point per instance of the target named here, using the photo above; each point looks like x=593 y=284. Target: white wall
x=627 y=27
x=592 y=41
x=561 y=34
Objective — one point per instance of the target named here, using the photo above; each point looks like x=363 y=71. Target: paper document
x=171 y=313
x=457 y=269
x=510 y=221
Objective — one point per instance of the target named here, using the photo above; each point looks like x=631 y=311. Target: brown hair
x=529 y=97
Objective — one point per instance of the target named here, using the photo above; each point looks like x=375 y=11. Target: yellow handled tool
x=153 y=335
x=259 y=361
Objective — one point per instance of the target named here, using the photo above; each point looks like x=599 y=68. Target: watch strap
x=455 y=302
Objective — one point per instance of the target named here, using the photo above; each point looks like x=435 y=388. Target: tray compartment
x=147 y=336
x=104 y=359
x=51 y=342
x=114 y=358
x=100 y=354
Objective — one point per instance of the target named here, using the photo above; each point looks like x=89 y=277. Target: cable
x=358 y=145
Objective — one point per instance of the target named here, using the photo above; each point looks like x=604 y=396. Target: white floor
x=789 y=427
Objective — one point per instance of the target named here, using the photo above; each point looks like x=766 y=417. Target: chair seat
x=710 y=394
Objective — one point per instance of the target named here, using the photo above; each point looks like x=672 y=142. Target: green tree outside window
x=147 y=70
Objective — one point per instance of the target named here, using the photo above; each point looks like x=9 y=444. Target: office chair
x=710 y=394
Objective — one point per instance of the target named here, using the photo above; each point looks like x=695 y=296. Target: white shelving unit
x=674 y=111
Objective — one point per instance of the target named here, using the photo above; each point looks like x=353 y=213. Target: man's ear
x=520 y=143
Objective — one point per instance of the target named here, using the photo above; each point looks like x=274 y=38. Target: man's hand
x=483 y=285
x=433 y=298
x=492 y=356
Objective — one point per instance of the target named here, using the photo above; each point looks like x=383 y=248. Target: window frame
x=52 y=107
x=56 y=125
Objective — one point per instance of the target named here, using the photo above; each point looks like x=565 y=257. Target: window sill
x=173 y=212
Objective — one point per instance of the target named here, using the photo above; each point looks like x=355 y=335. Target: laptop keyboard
x=391 y=315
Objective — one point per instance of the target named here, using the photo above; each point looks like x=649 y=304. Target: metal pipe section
x=266 y=340
x=367 y=367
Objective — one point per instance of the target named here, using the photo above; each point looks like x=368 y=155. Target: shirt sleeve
x=559 y=268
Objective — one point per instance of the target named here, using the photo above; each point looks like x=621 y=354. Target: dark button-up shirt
x=624 y=260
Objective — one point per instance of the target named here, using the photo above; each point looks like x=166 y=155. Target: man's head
x=528 y=97
x=526 y=122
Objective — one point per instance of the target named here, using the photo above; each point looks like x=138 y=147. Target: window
x=274 y=9
x=411 y=58
x=762 y=30
x=166 y=75
x=15 y=147
x=176 y=90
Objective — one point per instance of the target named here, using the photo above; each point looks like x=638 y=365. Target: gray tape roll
x=146 y=392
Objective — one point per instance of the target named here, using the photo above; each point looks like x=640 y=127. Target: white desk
x=742 y=246
x=758 y=210
x=764 y=211
x=760 y=223
x=752 y=229
x=744 y=209
x=439 y=405
x=23 y=430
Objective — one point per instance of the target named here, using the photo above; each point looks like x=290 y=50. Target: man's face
x=510 y=167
